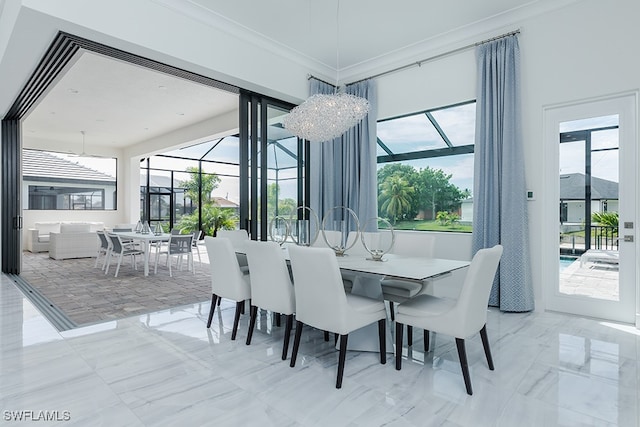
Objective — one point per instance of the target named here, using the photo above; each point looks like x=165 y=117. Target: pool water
x=566 y=261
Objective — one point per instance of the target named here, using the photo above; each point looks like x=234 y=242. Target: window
x=425 y=169
x=55 y=181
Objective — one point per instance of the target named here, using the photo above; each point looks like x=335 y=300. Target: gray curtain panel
x=499 y=194
x=343 y=171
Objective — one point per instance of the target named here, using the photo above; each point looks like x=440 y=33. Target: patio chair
x=197 y=235
x=120 y=250
x=178 y=246
x=104 y=249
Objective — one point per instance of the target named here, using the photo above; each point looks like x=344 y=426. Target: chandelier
x=323 y=117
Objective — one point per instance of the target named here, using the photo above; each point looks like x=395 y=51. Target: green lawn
x=424 y=225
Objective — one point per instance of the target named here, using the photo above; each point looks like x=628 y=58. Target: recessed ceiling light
x=180 y=114
x=161 y=87
x=73 y=91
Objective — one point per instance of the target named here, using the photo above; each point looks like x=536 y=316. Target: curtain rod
x=438 y=56
x=311 y=76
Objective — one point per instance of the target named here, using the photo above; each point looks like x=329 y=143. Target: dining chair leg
x=118 y=267
x=399 y=329
x=155 y=270
x=326 y=336
x=219 y=301
x=382 y=328
x=252 y=323
x=341 y=359
x=106 y=258
x=214 y=297
x=485 y=344
x=462 y=354
x=426 y=340
x=287 y=334
x=409 y=335
x=236 y=320
x=393 y=316
x=296 y=343
x=278 y=320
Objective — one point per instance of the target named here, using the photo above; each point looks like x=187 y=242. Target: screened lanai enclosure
x=200 y=186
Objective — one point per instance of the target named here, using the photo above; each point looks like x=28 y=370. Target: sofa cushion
x=74 y=228
x=43 y=238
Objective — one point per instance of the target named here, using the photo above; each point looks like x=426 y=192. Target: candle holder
x=279 y=230
x=303 y=226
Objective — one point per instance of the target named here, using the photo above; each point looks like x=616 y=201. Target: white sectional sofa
x=75 y=240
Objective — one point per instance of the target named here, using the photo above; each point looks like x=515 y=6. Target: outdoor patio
x=85 y=295
x=594 y=279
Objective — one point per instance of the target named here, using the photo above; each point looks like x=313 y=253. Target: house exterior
x=604 y=197
x=50 y=182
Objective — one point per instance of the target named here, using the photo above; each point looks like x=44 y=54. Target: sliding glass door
x=273 y=181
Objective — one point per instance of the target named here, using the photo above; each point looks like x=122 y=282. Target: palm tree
x=214 y=218
x=395 y=194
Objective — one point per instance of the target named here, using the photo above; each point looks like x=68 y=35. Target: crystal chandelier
x=323 y=117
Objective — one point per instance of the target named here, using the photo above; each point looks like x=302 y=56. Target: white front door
x=590 y=263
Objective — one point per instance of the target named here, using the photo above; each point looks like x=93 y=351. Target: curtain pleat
x=500 y=204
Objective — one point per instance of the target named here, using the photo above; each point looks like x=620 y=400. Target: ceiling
x=118 y=104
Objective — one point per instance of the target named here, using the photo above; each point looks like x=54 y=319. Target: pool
x=566 y=261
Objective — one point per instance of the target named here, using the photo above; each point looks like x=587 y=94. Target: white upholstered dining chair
x=459 y=318
x=238 y=239
x=321 y=302
x=227 y=280
x=271 y=286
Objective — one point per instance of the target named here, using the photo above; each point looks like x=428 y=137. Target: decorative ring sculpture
x=346 y=221
x=374 y=241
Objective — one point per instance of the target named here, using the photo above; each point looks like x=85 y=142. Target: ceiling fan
x=83 y=153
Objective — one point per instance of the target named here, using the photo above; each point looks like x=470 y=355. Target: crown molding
x=454 y=39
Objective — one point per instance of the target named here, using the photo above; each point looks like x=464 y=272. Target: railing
x=604 y=237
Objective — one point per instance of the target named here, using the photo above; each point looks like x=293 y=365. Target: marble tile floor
x=167 y=369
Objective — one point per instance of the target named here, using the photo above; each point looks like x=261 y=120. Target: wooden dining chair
x=321 y=302
x=459 y=318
